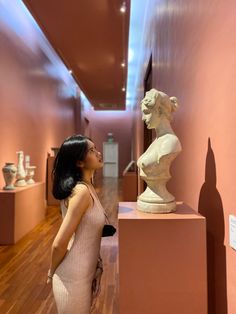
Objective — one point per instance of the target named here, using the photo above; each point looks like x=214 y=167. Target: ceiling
x=91 y=37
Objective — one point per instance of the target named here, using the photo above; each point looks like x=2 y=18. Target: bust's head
x=156 y=106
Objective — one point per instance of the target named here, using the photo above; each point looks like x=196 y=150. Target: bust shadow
x=123 y=210
x=210 y=206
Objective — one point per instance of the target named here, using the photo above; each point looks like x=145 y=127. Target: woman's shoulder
x=80 y=188
x=80 y=195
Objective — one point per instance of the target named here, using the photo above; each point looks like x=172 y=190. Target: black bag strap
x=107 y=220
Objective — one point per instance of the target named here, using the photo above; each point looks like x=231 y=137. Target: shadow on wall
x=210 y=205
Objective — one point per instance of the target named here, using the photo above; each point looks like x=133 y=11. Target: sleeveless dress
x=72 y=280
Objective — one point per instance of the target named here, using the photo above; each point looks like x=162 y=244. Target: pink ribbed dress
x=72 y=280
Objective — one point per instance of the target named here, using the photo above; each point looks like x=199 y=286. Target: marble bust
x=154 y=164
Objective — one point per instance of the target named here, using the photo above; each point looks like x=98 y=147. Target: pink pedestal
x=20 y=211
x=162 y=261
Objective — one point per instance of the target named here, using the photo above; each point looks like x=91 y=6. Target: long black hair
x=66 y=173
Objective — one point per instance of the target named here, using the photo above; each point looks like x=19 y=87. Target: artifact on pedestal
x=27 y=161
x=55 y=150
x=20 y=174
x=30 y=174
x=9 y=174
x=154 y=164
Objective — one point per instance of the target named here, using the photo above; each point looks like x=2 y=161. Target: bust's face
x=150 y=113
x=151 y=118
x=146 y=116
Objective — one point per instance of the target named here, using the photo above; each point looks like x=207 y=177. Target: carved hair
x=165 y=105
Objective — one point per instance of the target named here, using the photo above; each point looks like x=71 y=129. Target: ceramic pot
x=30 y=174
x=9 y=174
x=20 y=174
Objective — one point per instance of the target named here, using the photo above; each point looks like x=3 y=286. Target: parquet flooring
x=23 y=266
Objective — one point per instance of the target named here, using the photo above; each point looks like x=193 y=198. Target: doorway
x=147 y=134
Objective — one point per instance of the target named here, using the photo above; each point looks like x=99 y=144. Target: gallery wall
x=193 y=47
x=99 y=123
x=35 y=115
x=40 y=104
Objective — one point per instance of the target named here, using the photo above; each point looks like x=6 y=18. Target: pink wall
x=33 y=117
x=193 y=45
x=117 y=122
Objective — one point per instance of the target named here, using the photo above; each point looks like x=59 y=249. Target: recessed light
x=123 y=7
x=70 y=71
x=123 y=89
x=123 y=64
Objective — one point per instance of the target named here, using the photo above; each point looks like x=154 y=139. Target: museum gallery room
x=117 y=157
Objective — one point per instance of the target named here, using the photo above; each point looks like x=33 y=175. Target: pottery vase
x=20 y=174
x=30 y=174
x=9 y=174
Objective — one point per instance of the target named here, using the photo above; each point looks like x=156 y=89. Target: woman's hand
x=49 y=279
x=96 y=282
x=96 y=287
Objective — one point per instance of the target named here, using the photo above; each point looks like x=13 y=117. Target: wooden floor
x=23 y=266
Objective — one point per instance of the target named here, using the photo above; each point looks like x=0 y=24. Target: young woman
x=76 y=266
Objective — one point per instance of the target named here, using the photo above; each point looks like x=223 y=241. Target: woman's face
x=93 y=159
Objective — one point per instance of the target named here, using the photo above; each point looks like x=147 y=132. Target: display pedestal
x=162 y=261
x=20 y=211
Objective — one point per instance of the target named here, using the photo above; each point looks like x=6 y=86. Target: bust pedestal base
x=156 y=208
x=162 y=261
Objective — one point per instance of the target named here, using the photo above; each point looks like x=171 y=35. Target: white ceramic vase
x=30 y=174
x=55 y=150
x=20 y=174
x=27 y=161
x=9 y=174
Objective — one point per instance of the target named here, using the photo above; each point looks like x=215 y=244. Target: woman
x=76 y=265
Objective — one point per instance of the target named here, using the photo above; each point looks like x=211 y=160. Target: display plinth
x=20 y=211
x=162 y=261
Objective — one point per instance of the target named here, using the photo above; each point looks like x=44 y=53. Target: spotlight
x=123 y=7
x=70 y=71
x=123 y=89
x=123 y=64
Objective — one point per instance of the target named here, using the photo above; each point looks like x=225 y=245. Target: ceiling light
x=123 y=64
x=123 y=89
x=123 y=7
x=70 y=71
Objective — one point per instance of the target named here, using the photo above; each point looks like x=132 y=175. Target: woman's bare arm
x=78 y=204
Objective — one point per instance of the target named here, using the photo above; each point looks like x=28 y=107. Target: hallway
x=83 y=67
x=23 y=267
